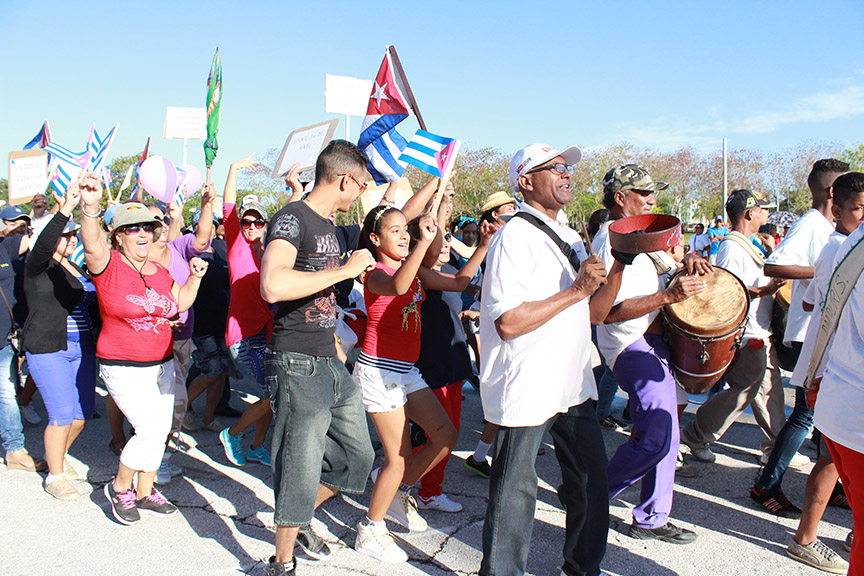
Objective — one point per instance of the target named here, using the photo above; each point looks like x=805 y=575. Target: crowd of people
x=325 y=324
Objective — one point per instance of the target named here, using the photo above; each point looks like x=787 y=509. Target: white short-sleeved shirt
x=528 y=379
x=699 y=242
x=639 y=279
x=738 y=261
x=815 y=295
x=840 y=402
x=801 y=247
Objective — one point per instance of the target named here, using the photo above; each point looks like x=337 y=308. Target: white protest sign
x=346 y=95
x=303 y=146
x=27 y=175
x=185 y=123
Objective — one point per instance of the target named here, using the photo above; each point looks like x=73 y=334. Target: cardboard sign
x=346 y=95
x=27 y=175
x=185 y=123
x=303 y=146
x=373 y=194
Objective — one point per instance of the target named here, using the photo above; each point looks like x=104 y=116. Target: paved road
x=226 y=516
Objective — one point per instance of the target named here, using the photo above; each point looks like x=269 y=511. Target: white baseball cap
x=534 y=155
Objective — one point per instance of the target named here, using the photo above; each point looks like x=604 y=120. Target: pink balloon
x=158 y=176
x=193 y=181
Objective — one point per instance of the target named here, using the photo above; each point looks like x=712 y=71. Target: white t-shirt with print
x=840 y=402
x=528 y=379
x=801 y=247
x=639 y=279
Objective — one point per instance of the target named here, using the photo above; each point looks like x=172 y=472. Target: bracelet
x=97 y=215
x=388 y=201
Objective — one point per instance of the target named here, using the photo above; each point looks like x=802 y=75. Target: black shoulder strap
x=565 y=248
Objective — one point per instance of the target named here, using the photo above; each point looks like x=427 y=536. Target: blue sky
x=765 y=75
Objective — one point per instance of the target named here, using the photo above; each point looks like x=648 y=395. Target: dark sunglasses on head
x=258 y=223
x=163 y=219
x=135 y=228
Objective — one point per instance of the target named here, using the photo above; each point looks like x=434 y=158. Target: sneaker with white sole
x=440 y=502
x=702 y=453
x=123 y=504
x=156 y=504
x=233 y=446
x=798 y=461
x=163 y=473
x=213 y=426
x=818 y=555
x=259 y=456
x=61 y=489
x=403 y=510
x=377 y=542
x=312 y=544
x=188 y=422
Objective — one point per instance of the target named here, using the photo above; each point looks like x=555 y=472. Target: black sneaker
x=156 y=504
x=774 y=501
x=123 y=504
x=312 y=544
x=481 y=468
x=666 y=533
x=612 y=423
x=838 y=498
x=274 y=568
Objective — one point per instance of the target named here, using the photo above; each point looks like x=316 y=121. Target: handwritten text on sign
x=185 y=123
x=303 y=146
x=27 y=174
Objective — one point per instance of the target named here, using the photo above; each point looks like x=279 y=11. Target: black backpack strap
x=565 y=248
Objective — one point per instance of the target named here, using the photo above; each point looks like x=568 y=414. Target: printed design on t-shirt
x=288 y=226
x=149 y=302
x=328 y=251
x=413 y=308
x=322 y=311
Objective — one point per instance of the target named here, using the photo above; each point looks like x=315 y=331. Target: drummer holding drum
x=631 y=341
x=753 y=377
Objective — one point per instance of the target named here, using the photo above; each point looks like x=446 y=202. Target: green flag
x=214 y=109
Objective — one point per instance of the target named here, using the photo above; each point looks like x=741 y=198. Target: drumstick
x=587 y=238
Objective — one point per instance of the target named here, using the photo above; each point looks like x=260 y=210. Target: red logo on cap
x=547 y=148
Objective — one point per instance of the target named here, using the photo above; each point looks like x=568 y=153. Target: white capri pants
x=145 y=395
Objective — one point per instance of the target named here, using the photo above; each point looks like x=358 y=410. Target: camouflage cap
x=630 y=177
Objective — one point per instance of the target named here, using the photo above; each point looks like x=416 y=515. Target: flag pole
x=408 y=93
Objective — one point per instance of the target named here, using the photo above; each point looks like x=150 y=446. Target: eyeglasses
x=163 y=219
x=558 y=168
x=135 y=228
x=362 y=185
x=258 y=223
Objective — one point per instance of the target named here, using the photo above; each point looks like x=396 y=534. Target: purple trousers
x=642 y=370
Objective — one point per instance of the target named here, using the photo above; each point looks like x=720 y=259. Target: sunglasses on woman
x=135 y=228
x=258 y=223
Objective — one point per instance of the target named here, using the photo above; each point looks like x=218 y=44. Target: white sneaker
x=403 y=510
x=188 y=422
x=441 y=503
x=799 y=460
x=28 y=413
x=163 y=474
x=377 y=542
x=702 y=453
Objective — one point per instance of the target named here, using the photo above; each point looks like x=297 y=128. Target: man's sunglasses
x=558 y=168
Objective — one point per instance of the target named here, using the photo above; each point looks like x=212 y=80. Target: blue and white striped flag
x=62 y=177
x=431 y=153
x=77 y=256
x=66 y=156
x=98 y=147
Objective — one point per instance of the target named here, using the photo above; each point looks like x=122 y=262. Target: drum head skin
x=783 y=296
x=645 y=233
x=716 y=311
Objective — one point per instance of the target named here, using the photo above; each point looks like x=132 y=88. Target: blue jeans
x=607 y=386
x=248 y=358
x=513 y=494
x=788 y=441
x=320 y=434
x=11 y=429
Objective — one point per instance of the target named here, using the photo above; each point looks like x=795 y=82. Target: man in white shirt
x=536 y=371
x=794 y=259
x=699 y=242
x=754 y=371
x=631 y=340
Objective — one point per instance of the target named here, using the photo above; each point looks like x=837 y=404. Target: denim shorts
x=248 y=357
x=320 y=434
x=211 y=356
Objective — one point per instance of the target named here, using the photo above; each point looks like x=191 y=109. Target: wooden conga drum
x=705 y=330
x=779 y=315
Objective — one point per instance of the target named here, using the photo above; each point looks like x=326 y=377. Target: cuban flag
x=378 y=137
x=66 y=166
x=180 y=194
x=144 y=155
x=42 y=139
x=98 y=148
x=431 y=153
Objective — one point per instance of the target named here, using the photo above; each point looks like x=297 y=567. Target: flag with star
x=379 y=139
x=431 y=153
